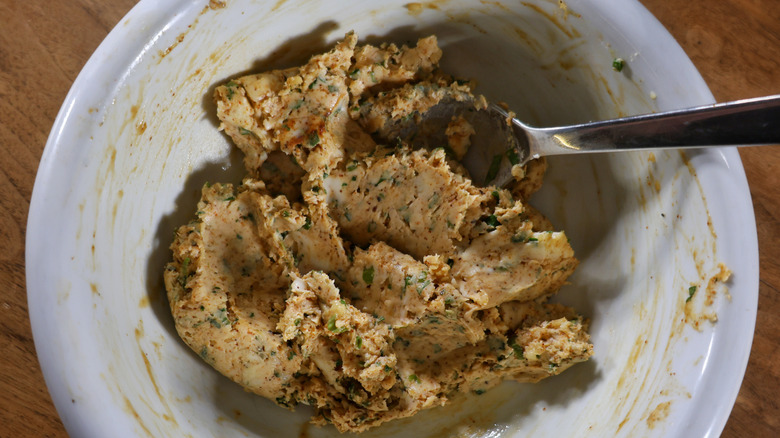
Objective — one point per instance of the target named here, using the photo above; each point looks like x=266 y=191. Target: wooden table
x=735 y=44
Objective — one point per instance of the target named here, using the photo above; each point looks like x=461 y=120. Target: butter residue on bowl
x=367 y=280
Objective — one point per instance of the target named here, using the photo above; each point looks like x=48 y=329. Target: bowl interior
x=128 y=157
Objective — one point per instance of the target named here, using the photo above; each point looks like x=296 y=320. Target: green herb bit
x=184 y=272
x=352 y=166
x=368 y=275
x=494 y=167
x=691 y=291
x=332 y=325
x=384 y=177
x=519 y=238
x=307 y=224
x=230 y=198
x=518 y=350
x=618 y=64
x=358 y=342
x=231 y=89
x=353 y=74
x=314 y=139
x=433 y=201
x=297 y=321
x=407 y=282
x=314 y=82
x=492 y=220
x=414 y=378
x=511 y=154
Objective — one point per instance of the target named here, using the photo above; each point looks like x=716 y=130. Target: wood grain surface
x=735 y=44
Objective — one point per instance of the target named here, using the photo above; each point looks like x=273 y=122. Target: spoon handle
x=739 y=123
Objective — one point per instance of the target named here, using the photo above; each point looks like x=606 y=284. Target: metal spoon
x=501 y=140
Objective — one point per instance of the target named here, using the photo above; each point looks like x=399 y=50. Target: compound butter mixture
x=369 y=281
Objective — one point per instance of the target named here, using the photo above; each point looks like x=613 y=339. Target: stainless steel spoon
x=501 y=140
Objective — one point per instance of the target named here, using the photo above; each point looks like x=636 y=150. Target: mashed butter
x=367 y=280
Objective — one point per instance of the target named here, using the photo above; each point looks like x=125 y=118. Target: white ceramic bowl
x=136 y=138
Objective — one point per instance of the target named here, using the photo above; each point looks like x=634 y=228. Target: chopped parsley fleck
x=352 y=166
x=495 y=165
x=307 y=224
x=231 y=87
x=407 y=282
x=492 y=221
x=314 y=139
x=618 y=64
x=384 y=177
x=513 y=157
x=296 y=322
x=358 y=342
x=414 y=378
x=517 y=349
x=519 y=238
x=691 y=291
x=434 y=200
x=332 y=325
x=368 y=275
